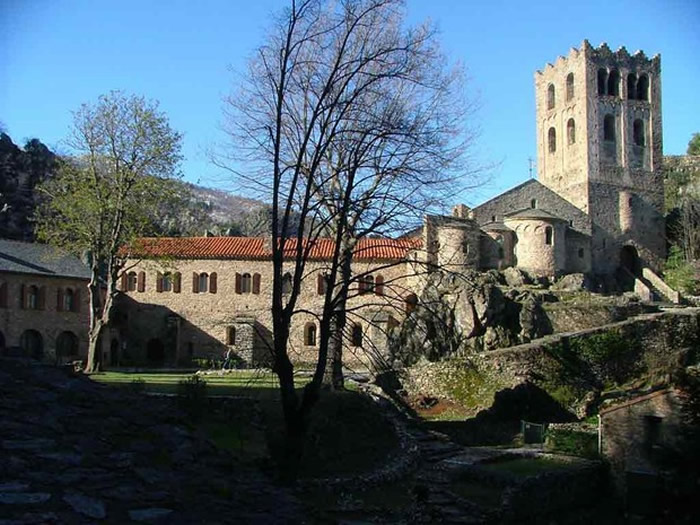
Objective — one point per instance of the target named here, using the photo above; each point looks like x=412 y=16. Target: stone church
x=596 y=208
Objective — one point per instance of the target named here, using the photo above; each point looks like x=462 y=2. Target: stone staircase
x=652 y=288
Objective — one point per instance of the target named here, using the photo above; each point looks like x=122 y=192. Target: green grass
x=528 y=466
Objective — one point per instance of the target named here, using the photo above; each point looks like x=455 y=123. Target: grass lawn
x=529 y=466
x=248 y=383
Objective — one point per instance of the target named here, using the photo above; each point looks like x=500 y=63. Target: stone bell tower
x=599 y=146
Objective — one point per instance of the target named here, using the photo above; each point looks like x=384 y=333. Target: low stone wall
x=653 y=341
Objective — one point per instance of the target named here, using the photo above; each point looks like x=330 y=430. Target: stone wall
x=634 y=433
x=46 y=320
x=521 y=197
x=196 y=325
x=532 y=253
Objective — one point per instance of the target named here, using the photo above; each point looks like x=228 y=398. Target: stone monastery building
x=597 y=207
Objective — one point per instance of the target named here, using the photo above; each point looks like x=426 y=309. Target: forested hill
x=202 y=209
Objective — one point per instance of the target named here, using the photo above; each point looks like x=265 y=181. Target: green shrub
x=192 y=396
x=680 y=274
x=572 y=442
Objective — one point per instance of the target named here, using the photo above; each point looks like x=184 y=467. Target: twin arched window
x=67 y=300
x=637 y=88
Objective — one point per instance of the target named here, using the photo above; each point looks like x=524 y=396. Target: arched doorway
x=155 y=352
x=32 y=344
x=114 y=352
x=66 y=346
x=629 y=259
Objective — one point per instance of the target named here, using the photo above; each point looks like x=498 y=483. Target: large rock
x=573 y=282
x=516 y=277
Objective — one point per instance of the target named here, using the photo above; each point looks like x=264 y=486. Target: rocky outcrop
x=463 y=313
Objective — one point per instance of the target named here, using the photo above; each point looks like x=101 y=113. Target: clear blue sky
x=56 y=54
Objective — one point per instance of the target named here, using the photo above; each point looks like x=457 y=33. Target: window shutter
x=22 y=296
x=256 y=283
x=59 y=300
x=41 y=300
x=76 y=300
x=177 y=282
x=3 y=295
x=212 y=282
x=124 y=283
x=142 y=282
x=238 y=283
x=159 y=282
x=195 y=282
x=379 y=285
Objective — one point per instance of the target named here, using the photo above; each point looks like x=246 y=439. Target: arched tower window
x=548 y=235
x=310 y=334
x=550 y=97
x=68 y=300
x=609 y=128
x=631 y=86
x=533 y=205
x=569 y=86
x=602 y=81
x=643 y=88
x=571 y=131
x=638 y=133
x=614 y=83
x=552 y=140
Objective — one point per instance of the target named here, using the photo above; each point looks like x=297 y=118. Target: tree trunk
x=95 y=327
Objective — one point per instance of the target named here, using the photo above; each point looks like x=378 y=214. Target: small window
x=614 y=83
x=643 y=88
x=131 y=282
x=321 y=283
x=548 y=235
x=550 y=97
x=287 y=283
x=580 y=253
x=310 y=334
x=68 y=300
x=638 y=133
x=571 y=131
x=231 y=335
x=411 y=302
x=609 y=128
x=203 y=282
x=32 y=298
x=246 y=283
x=356 y=335
x=167 y=282
x=379 y=285
x=369 y=284
x=552 y=137
x=533 y=203
x=631 y=86
x=569 y=87
x=602 y=81
x=493 y=218
x=3 y=296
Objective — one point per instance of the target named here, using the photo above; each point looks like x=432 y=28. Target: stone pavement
x=73 y=451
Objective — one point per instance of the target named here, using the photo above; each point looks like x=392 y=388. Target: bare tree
x=353 y=124
x=105 y=197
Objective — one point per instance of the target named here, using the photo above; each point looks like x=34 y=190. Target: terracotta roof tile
x=257 y=248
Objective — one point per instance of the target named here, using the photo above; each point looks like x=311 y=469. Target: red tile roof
x=258 y=248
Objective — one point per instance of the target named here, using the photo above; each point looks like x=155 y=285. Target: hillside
x=200 y=209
